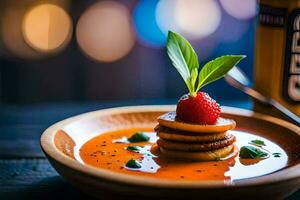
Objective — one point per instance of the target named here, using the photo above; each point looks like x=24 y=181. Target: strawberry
x=201 y=109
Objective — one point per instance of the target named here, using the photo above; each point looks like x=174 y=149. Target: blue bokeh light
x=147 y=29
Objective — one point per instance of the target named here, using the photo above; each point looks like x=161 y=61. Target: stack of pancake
x=178 y=139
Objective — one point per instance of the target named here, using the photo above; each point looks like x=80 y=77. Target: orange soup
x=109 y=151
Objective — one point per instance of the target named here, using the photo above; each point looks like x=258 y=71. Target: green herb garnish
x=139 y=137
x=257 y=142
x=133 y=164
x=277 y=155
x=185 y=60
x=217 y=159
x=133 y=148
x=252 y=152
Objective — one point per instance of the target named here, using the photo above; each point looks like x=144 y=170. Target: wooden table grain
x=25 y=173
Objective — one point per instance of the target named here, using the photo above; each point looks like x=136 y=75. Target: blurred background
x=63 y=50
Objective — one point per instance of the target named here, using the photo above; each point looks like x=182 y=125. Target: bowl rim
x=49 y=148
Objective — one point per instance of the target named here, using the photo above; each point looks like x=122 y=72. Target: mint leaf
x=217 y=68
x=277 y=155
x=139 y=137
x=133 y=148
x=183 y=58
x=251 y=152
x=257 y=142
x=133 y=164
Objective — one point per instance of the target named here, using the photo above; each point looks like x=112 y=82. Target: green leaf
x=252 y=152
x=217 y=68
x=183 y=57
x=185 y=60
x=133 y=164
x=139 y=137
x=257 y=142
x=277 y=155
x=192 y=81
x=133 y=148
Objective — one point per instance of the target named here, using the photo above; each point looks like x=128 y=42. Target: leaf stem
x=193 y=94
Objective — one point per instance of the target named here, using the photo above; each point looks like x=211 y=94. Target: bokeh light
x=198 y=19
x=240 y=9
x=237 y=29
x=104 y=31
x=205 y=47
x=146 y=26
x=165 y=16
x=47 y=27
x=11 y=23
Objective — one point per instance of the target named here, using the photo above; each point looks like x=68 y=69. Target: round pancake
x=192 y=138
x=199 y=156
x=169 y=120
x=160 y=128
x=190 y=147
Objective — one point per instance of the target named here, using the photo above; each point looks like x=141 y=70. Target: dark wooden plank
x=24 y=172
x=28 y=148
x=46 y=114
x=295 y=196
x=21 y=141
x=25 y=131
x=33 y=179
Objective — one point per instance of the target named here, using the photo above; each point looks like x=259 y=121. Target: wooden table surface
x=25 y=173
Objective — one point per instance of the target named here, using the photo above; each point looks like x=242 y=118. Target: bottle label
x=272 y=16
x=291 y=76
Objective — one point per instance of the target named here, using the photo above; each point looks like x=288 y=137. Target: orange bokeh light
x=104 y=31
x=47 y=27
